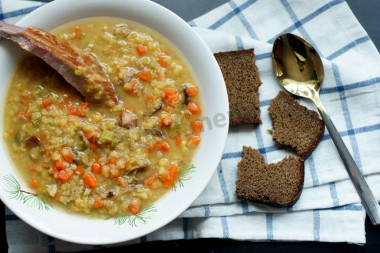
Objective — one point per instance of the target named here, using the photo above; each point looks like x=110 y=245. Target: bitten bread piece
x=242 y=79
x=277 y=184
x=295 y=126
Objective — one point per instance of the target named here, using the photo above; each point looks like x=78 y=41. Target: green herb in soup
x=97 y=159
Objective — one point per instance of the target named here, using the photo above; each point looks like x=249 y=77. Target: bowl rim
x=222 y=132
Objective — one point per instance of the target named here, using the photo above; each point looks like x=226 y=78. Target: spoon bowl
x=297 y=66
x=299 y=70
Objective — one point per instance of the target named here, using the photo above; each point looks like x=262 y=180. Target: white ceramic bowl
x=86 y=230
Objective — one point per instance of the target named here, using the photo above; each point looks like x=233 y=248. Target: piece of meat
x=128 y=119
x=32 y=142
x=80 y=69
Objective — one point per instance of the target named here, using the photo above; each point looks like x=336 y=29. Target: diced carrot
x=45 y=165
x=80 y=170
x=120 y=181
x=81 y=109
x=197 y=126
x=141 y=50
x=59 y=165
x=158 y=77
x=173 y=171
x=192 y=91
x=160 y=146
x=32 y=166
x=165 y=51
x=150 y=180
x=65 y=175
x=134 y=209
x=129 y=108
x=96 y=167
x=193 y=108
x=150 y=97
x=67 y=155
x=196 y=140
x=45 y=150
x=26 y=95
x=112 y=160
x=167 y=121
x=91 y=136
x=145 y=76
x=46 y=102
x=13 y=132
x=33 y=184
x=98 y=202
x=90 y=180
x=114 y=173
x=171 y=177
x=42 y=137
x=178 y=141
x=162 y=61
x=78 y=111
x=171 y=96
x=77 y=31
x=93 y=146
x=168 y=92
x=57 y=197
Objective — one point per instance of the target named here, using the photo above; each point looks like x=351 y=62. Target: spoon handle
x=368 y=200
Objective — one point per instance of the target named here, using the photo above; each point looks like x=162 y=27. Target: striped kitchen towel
x=329 y=208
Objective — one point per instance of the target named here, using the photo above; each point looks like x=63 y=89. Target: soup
x=98 y=159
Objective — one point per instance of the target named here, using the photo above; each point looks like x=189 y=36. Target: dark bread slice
x=242 y=79
x=277 y=184
x=295 y=126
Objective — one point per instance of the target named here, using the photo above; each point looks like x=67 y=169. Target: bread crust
x=274 y=184
x=242 y=79
x=287 y=116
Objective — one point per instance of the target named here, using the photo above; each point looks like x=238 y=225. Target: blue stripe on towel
x=348 y=47
x=260 y=141
x=316 y=225
x=350 y=207
x=231 y=14
x=185 y=228
x=244 y=206
x=313 y=170
x=226 y=231
x=17 y=13
x=207 y=210
x=351 y=86
x=1 y=8
x=334 y=194
x=359 y=130
x=244 y=21
x=269 y=222
x=239 y=42
x=222 y=182
x=263 y=56
x=347 y=116
x=232 y=155
x=296 y=21
x=308 y=18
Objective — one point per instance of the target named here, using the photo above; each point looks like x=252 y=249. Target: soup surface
x=98 y=159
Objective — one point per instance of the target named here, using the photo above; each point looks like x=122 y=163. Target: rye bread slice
x=242 y=79
x=295 y=126
x=276 y=184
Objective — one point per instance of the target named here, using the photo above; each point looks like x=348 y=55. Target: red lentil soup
x=101 y=160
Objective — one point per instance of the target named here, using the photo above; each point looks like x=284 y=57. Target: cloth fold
x=329 y=208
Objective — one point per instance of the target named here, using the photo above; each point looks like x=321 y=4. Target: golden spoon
x=299 y=70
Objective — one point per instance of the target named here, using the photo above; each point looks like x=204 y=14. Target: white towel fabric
x=329 y=208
